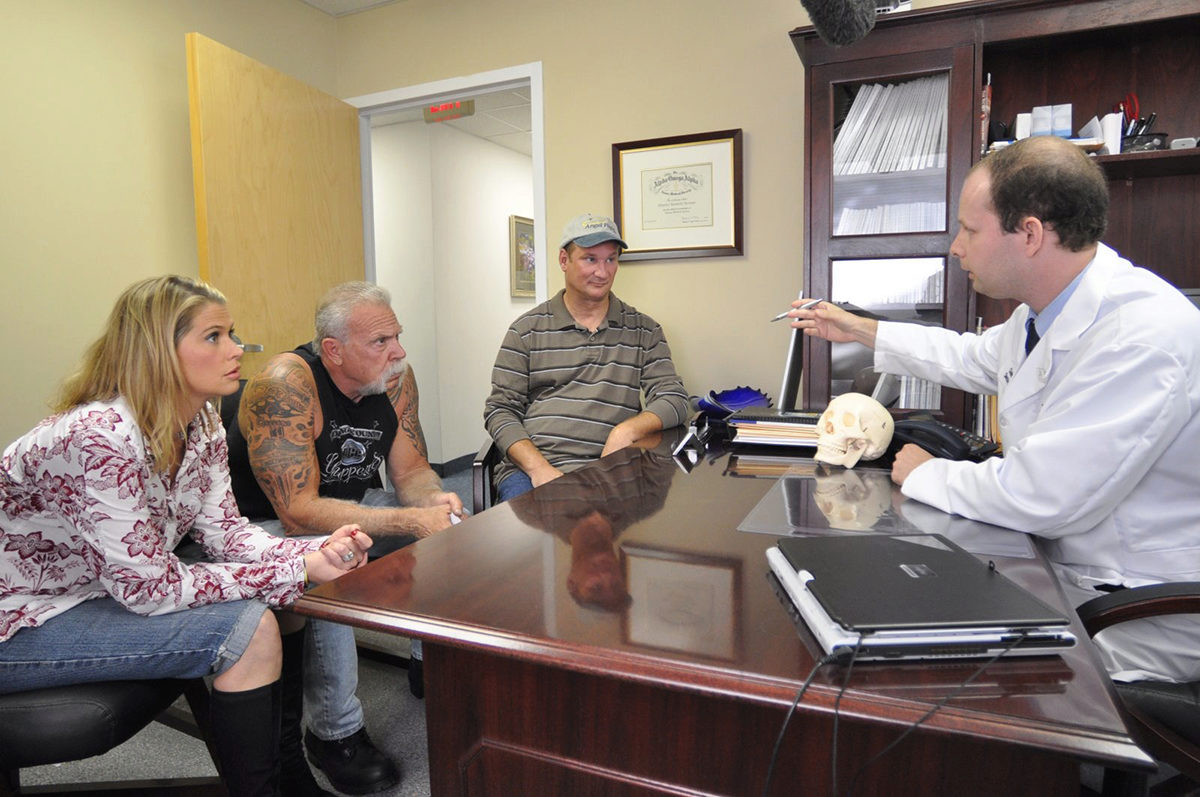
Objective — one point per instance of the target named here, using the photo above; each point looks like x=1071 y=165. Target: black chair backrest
x=229 y=406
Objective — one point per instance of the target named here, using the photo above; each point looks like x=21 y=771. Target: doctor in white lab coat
x=1100 y=421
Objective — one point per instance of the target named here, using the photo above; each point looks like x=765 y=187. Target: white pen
x=805 y=306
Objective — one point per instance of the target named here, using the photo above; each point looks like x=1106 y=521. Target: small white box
x=1060 y=120
x=1041 y=122
x=1023 y=125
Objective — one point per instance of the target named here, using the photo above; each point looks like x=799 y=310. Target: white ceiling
x=338 y=8
x=502 y=117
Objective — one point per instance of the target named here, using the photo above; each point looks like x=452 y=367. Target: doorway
x=436 y=208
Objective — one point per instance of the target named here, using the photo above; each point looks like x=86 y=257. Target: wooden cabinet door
x=899 y=131
x=278 y=187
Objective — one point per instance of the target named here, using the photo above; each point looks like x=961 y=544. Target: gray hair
x=337 y=305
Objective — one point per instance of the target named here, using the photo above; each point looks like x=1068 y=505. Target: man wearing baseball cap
x=571 y=374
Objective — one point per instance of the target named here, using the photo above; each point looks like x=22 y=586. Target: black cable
x=982 y=668
x=827 y=659
x=837 y=703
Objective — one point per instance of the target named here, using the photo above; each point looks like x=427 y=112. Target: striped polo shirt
x=564 y=387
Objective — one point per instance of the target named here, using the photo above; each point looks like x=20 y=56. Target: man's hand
x=443 y=498
x=424 y=521
x=540 y=476
x=827 y=320
x=908 y=459
x=631 y=430
x=621 y=436
x=525 y=455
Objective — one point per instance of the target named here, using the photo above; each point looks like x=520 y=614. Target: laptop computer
x=911 y=597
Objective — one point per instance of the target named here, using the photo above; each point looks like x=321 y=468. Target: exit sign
x=445 y=111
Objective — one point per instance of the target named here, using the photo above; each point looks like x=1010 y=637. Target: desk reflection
x=668 y=597
x=589 y=510
x=855 y=500
x=1044 y=675
x=812 y=498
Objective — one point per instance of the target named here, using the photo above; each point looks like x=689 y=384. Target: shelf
x=890 y=202
x=1160 y=163
x=905 y=308
x=868 y=190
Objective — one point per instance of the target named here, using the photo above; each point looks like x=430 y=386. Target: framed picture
x=682 y=601
x=679 y=196
x=521 y=262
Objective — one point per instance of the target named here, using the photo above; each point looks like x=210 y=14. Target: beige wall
x=95 y=161
x=625 y=70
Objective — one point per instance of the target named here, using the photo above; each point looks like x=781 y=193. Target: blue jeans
x=381 y=546
x=514 y=484
x=331 y=704
x=101 y=640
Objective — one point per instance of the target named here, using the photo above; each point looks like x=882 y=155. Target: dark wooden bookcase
x=1089 y=53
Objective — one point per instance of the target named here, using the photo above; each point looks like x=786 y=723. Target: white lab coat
x=1100 y=426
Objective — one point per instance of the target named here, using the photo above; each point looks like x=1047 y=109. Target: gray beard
x=380 y=384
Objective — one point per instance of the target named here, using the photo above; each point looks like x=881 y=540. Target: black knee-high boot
x=295 y=777
x=245 y=731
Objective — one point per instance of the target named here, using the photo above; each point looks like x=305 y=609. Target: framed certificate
x=679 y=196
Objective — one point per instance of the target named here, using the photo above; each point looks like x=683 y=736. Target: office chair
x=483 y=470
x=1163 y=718
x=68 y=723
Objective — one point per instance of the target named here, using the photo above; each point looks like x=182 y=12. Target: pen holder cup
x=1146 y=142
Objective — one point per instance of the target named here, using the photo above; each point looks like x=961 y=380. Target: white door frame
x=514 y=77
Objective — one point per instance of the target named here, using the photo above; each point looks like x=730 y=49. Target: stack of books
x=762 y=426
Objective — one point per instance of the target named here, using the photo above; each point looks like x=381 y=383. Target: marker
x=805 y=306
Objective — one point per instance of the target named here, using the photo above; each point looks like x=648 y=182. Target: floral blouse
x=83 y=515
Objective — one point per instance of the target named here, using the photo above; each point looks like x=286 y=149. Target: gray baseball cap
x=591 y=230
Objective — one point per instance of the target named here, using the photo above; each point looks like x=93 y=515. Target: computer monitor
x=885 y=390
x=793 y=370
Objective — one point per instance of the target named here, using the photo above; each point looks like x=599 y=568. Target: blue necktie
x=1031 y=335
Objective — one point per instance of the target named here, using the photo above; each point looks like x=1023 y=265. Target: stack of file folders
x=763 y=426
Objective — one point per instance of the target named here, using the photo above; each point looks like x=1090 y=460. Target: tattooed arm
x=408 y=462
x=279 y=417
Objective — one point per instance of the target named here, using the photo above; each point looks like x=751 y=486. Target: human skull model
x=853 y=427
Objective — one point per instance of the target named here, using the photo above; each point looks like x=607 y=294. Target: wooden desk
x=684 y=688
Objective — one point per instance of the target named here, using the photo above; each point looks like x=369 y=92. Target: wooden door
x=277 y=179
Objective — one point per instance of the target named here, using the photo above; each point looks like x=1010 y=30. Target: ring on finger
x=347 y=557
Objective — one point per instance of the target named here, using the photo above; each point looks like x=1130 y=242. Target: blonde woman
x=93 y=502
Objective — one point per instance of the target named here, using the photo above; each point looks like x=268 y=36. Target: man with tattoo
x=313 y=429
